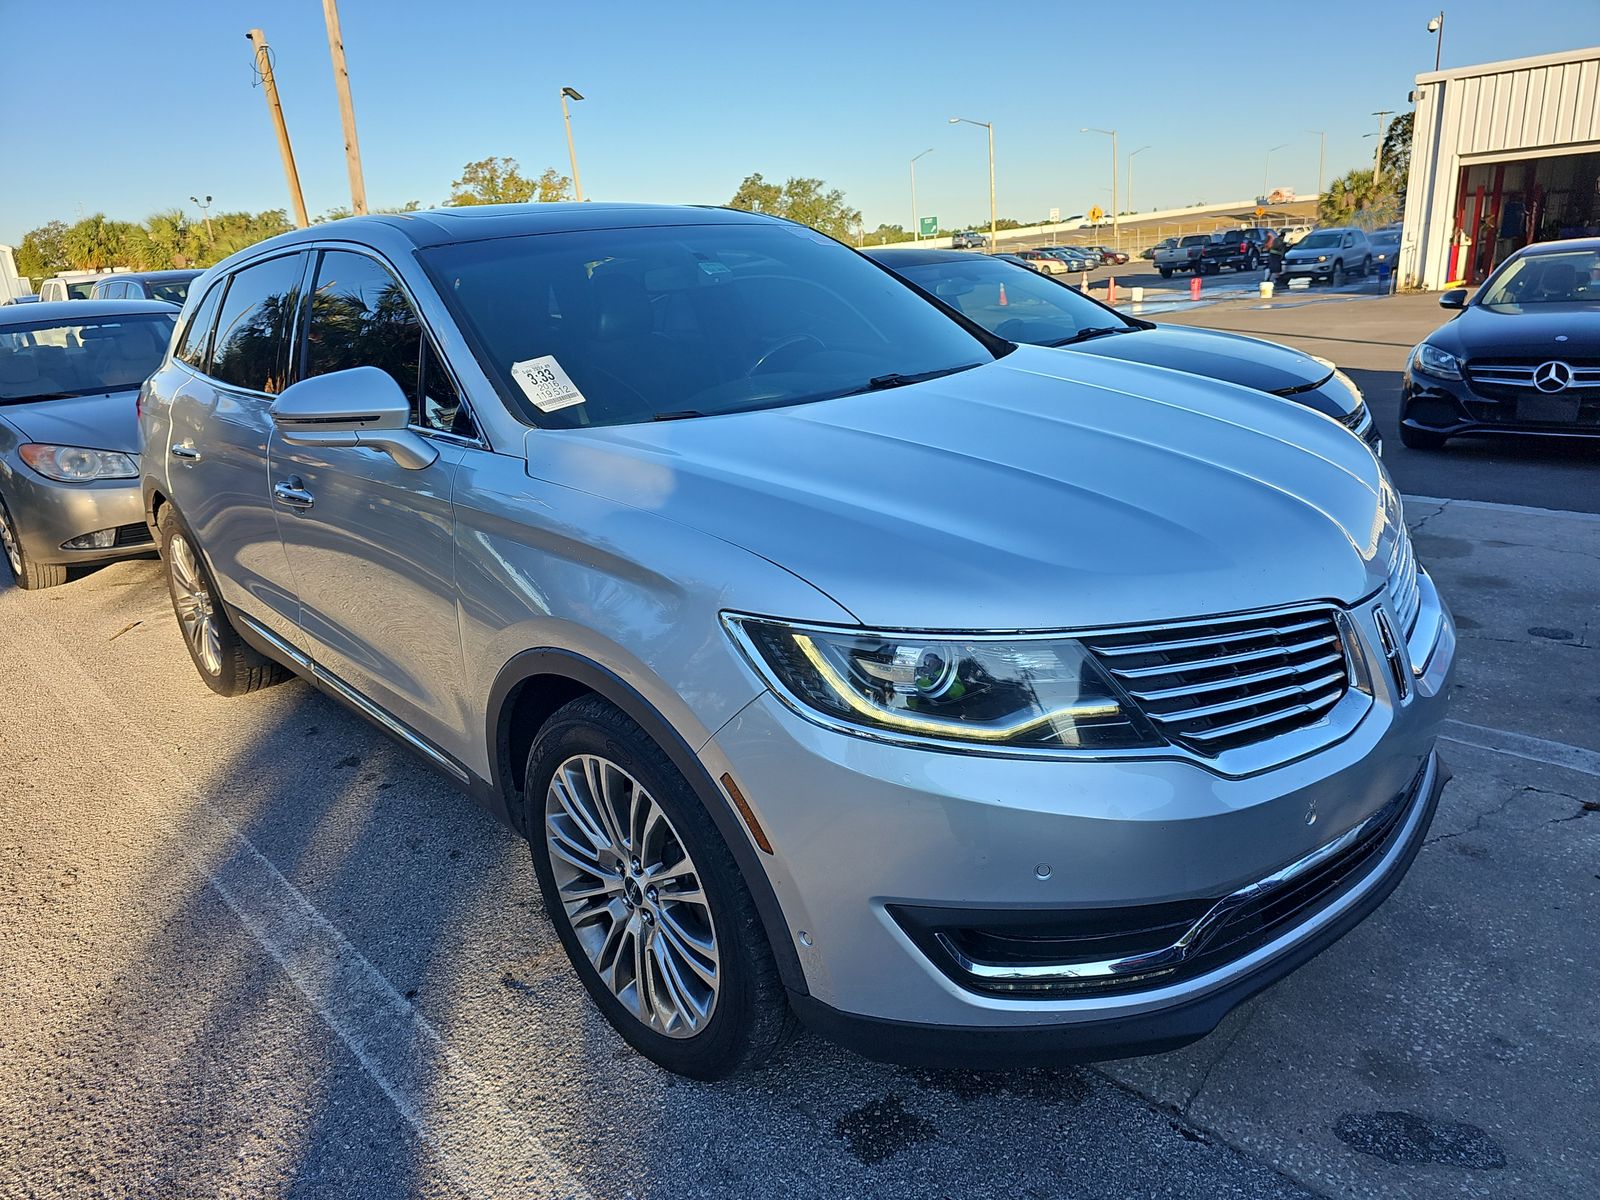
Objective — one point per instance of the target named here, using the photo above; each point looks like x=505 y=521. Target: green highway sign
x=930 y=226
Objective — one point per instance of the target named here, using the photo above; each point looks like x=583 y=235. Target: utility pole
x=1377 y=153
x=269 y=85
x=347 y=112
x=916 y=223
x=1436 y=25
x=572 y=153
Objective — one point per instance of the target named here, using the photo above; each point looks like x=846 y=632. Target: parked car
x=1018 y=261
x=1047 y=313
x=1385 y=247
x=1184 y=256
x=30 y=299
x=1110 y=257
x=1149 y=252
x=969 y=240
x=70 y=285
x=1518 y=358
x=170 y=286
x=1293 y=233
x=1076 y=258
x=978 y=702
x=1044 y=262
x=1329 y=254
x=1231 y=248
x=69 y=438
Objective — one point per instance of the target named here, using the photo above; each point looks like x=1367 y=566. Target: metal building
x=1502 y=154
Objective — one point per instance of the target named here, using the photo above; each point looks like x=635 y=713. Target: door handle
x=292 y=493
x=184 y=450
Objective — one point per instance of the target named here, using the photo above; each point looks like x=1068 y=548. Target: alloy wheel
x=633 y=895
x=195 y=606
x=8 y=539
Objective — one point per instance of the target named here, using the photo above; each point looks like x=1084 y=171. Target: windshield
x=1571 y=277
x=617 y=326
x=1015 y=304
x=1195 y=239
x=80 y=291
x=173 y=291
x=1386 y=241
x=1324 y=240
x=49 y=360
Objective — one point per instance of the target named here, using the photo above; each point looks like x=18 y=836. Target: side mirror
x=1454 y=298
x=362 y=406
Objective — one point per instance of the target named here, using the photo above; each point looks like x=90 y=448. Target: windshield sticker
x=544 y=383
x=715 y=268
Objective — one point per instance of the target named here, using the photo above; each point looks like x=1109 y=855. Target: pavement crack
x=1480 y=818
x=1212 y=1065
x=1418 y=526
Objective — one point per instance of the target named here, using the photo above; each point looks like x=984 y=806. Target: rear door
x=373 y=554
x=237 y=351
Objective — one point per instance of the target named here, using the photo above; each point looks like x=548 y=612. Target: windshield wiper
x=40 y=396
x=895 y=379
x=1083 y=335
x=681 y=414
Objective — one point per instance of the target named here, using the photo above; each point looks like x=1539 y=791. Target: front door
x=370 y=543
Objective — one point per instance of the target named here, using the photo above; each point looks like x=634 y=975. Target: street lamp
x=1322 y=154
x=1131 y=157
x=1266 y=169
x=1112 y=134
x=1377 y=150
x=205 y=211
x=572 y=94
x=1436 y=26
x=916 y=225
x=990 y=128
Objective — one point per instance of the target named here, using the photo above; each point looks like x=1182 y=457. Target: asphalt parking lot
x=251 y=947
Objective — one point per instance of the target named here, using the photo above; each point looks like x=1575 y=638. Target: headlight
x=969 y=690
x=74 y=464
x=1431 y=360
x=1322 y=258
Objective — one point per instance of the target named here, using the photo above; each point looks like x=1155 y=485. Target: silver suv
x=978 y=703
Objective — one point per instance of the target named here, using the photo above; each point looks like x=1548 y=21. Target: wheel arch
x=536 y=683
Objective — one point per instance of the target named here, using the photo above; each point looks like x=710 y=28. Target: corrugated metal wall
x=1504 y=109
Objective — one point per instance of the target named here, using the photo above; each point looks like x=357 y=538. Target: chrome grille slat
x=1225 y=660
x=1404 y=595
x=1214 y=685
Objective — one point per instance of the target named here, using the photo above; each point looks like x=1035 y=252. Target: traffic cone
x=1004 y=303
x=1111 y=290
x=1194 y=287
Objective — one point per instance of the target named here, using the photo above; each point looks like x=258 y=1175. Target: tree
x=1356 y=199
x=501 y=181
x=884 y=235
x=43 y=251
x=95 y=243
x=808 y=201
x=1396 y=152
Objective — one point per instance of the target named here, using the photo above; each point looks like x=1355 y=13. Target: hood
x=109 y=421
x=1042 y=491
x=1246 y=361
x=1526 y=331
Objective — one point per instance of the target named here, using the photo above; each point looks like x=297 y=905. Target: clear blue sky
x=130 y=106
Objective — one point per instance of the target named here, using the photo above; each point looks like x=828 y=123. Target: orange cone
x=1004 y=303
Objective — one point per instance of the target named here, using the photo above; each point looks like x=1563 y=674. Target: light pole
x=1131 y=157
x=566 y=116
x=1266 y=170
x=916 y=225
x=1322 y=154
x=986 y=125
x=1436 y=26
x=1377 y=151
x=205 y=211
x=1112 y=134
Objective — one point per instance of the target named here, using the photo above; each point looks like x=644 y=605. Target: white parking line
x=1524 y=746
x=484 y=1147
x=1493 y=506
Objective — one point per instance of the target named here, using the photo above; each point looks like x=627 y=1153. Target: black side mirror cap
x=1454 y=298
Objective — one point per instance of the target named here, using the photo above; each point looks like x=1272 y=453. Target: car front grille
x=1510 y=383
x=1231 y=681
x=1404 y=595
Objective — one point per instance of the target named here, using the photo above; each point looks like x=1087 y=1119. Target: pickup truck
x=1181 y=257
x=1235 y=248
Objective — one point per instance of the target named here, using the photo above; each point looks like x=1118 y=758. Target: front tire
x=30 y=576
x=229 y=666
x=647 y=899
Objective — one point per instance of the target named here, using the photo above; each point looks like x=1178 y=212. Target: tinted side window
x=360 y=317
x=253 y=327
x=197 y=336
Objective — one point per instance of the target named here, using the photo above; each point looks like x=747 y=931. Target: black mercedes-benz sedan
x=1521 y=357
x=1020 y=306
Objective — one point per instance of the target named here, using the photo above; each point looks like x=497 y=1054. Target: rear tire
x=229 y=666
x=1166 y=272
x=30 y=576
x=711 y=1002
x=1421 y=439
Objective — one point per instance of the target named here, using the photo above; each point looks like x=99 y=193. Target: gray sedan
x=70 y=373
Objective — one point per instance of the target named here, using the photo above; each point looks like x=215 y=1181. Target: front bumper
x=47 y=515
x=863 y=831
x=1453 y=408
x=1306 y=267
